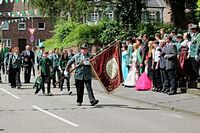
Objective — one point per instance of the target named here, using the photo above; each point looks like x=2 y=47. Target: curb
x=163 y=107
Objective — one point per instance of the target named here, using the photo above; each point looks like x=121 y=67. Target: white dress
x=132 y=75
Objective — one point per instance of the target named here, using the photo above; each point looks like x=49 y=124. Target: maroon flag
x=107 y=67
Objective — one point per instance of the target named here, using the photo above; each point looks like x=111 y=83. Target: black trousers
x=80 y=90
x=172 y=79
x=164 y=78
x=62 y=82
x=195 y=71
x=15 y=80
x=55 y=70
x=45 y=79
x=27 y=73
x=156 y=77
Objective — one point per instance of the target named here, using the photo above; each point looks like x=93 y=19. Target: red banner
x=107 y=67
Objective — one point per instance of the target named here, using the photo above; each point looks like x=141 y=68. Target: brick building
x=16 y=20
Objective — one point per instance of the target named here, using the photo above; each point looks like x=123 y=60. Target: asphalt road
x=21 y=111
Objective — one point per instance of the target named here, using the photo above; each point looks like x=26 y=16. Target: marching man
x=83 y=75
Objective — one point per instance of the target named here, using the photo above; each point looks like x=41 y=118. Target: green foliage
x=68 y=34
x=198 y=5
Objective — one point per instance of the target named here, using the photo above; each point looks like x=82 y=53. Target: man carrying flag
x=83 y=75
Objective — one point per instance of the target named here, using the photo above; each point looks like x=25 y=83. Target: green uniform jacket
x=15 y=62
x=129 y=54
x=83 y=72
x=38 y=56
x=54 y=60
x=45 y=64
x=194 y=47
x=63 y=63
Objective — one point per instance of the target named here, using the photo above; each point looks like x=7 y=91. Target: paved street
x=23 y=112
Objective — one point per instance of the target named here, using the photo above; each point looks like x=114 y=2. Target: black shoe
x=50 y=94
x=171 y=93
x=0 y=81
x=154 y=89
x=94 y=102
x=18 y=87
x=13 y=86
x=79 y=104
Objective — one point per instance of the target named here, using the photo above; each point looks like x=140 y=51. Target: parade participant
x=54 y=57
x=174 y=37
x=145 y=42
x=15 y=63
x=155 y=67
x=1 y=62
x=6 y=59
x=4 y=52
x=184 y=61
x=83 y=75
x=157 y=36
x=170 y=52
x=194 y=51
x=39 y=54
x=163 y=33
x=28 y=62
x=133 y=74
x=124 y=62
x=45 y=72
x=71 y=54
x=62 y=65
x=179 y=40
x=141 y=56
x=129 y=52
x=162 y=66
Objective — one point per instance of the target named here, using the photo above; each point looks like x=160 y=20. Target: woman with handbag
x=62 y=65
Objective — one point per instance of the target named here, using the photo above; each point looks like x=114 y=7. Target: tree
x=178 y=15
x=72 y=9
x=129 y=11
x=198 y=5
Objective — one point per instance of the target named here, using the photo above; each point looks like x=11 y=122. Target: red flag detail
x=107 y=67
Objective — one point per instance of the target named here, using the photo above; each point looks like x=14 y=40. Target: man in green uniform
x=194 y=51
x=83 y=75
x=4 y=52
x=55 y=63
x=179 y=40
x=45 y=73
x=15 y=63
x=39 y=54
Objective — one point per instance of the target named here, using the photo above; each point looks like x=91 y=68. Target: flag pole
x=95 y=54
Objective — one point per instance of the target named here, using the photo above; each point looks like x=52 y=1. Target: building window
x=94 y=16
x=7 y=42
x=5 y=25
x=110 y=15
x=21 y=26
x=152 y=15
x=41 y=26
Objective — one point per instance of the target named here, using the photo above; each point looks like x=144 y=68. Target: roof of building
x=156 y=4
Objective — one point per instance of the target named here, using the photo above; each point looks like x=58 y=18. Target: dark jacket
x=142 y=52
x=28 y=60
x=170 y=51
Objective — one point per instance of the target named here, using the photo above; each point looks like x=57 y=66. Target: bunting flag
x=11 y=1
x=29 y=13
x=107 y=67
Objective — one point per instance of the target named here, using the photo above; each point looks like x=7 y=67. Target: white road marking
x=55 y=116
x=10 y=93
